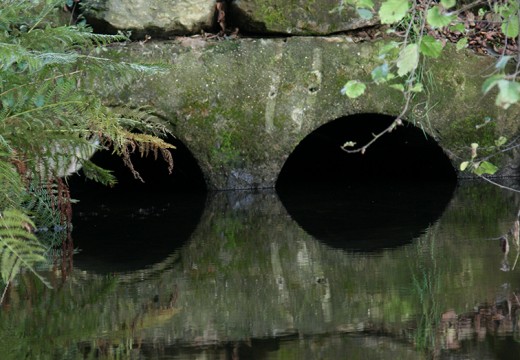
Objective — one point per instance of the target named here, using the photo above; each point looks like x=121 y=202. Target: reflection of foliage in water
x=449 y=276
x=70 y=321
x=427 y=285
x=253 y=273
x=480 y=205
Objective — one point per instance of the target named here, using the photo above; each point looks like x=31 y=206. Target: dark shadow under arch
x=382 y=199
x=136 y=224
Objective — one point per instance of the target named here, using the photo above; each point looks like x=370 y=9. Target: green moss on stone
x=272 y=14
x=472 y=129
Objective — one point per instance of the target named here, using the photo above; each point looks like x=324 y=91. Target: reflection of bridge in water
x=249 y=272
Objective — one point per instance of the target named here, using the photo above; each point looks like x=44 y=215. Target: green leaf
x=365 y=14
x=349 y=144
x=399 y=87
x=408 y=59
x=367 y=4
x=388 y=48
x=437 y=19
x=462 y=43
x=500 y=141
x=392 y=11
x=485 y=167
x=353 y=89
x=510 y=26
x=19 y=248
x=418 y=87
x=491 y=82
x=380 y=73
x=458 y=27
x=448 y=3
x=502 y=62
x=464 y=165
x=430 y=46
x=508 y=93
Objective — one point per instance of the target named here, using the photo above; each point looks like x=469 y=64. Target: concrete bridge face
x=242 y=106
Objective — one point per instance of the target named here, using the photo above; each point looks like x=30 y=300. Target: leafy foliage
x=19 y=248
x=417 y=28
x=52 y=119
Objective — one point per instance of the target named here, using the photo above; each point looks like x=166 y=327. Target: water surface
x=410 y=274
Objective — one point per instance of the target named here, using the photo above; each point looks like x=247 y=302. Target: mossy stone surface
x=242 y=106
x=297 y=17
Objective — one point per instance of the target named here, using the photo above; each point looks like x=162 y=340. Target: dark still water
x=386 y=271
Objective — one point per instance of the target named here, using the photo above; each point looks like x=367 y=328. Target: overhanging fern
x=52 y=116
x=19 y=248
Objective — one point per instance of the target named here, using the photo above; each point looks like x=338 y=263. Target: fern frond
x=18 y=246
x=98 y=174
x=41 y=205
x=11 y=185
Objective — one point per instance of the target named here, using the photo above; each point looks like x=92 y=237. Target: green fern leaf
x=19 y=248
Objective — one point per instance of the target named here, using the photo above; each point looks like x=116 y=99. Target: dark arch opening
x=381 y=199
x=136 y=224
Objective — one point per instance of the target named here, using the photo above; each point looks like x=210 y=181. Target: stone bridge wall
x=242 y=106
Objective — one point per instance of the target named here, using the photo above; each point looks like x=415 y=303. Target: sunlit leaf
x=485 y=167
x=408 y=59
x=458 y=27
x=368 y=4
x=430 y=46
x=510 y=26
x=474 y=147
x=399 y=87
x=464 y=165
x=392 y=11
x=448 y=3
x=508 y=93
x=462 y=43
x=349 y=144
x=418 y=87
x=500 y=141
x=437 y=19
x=353 y=89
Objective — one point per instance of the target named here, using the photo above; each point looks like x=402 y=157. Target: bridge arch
x=366 y=202
x=114 y=227
x=407 y=153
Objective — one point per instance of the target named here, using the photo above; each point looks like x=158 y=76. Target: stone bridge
x=242 y=106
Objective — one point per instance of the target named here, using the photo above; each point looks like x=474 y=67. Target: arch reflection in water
x=383 y=198
x=136 y=224
x=367 y=217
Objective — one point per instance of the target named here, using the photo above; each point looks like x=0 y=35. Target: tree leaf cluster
x=412 y=22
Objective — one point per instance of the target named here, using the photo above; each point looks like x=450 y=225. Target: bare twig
x=497 y=184
x=398 y=121
x=470 y=6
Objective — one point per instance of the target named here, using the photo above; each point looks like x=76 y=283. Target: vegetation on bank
x=52 y=120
